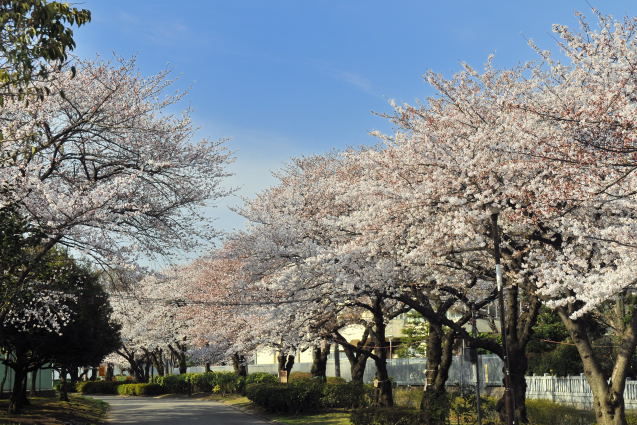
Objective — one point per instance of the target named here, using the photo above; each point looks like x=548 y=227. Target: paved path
x=174 y=411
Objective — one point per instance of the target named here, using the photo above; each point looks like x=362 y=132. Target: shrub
x=260 y=378
x=178 y=384
x=335 y=380
x=202 y=382
x=299 y=376
x=139 y=389
x=229 y=382
x=301 y=396
x=98 y=387
x=348 y=395
x=70 y=388
x=220 y=382
x=544 y=412
x=385 y=416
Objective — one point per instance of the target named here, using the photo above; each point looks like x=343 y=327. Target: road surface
x=174 y=411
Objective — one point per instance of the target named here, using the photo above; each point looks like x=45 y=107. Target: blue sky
x=283 y=78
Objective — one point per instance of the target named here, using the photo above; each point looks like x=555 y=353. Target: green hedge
x=98 y=387
x=217 y=382
x=178 y=384
x=293 y=398
x=349 y=395
x=261 y=378
x=385 y=416
x=139 y=389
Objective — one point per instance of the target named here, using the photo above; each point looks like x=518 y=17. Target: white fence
x=572 y=390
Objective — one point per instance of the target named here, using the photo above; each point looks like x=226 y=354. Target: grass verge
x=336 y=417
x=50 y=411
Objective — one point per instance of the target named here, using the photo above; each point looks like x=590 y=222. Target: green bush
x=260 y=378
x=385 y=416
x=228 y=382
x=202 y=382
x=176 y=384
x=98 y=387
x=299 y=376
x=408 y=397
x=346 y=394
x=139 y=389
x=218 y=382
x=544 y=412
x=335 y=380
x=301 y=396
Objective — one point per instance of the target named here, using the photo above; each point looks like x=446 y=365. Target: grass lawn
x=331 y=418
x=323 y=418
x=50 y=411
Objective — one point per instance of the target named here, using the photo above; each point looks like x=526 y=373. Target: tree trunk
x=4 y=379
x=74 y=374
x=109 y=372
x=207 y=367
x=34 y=380
x=240 y=365
x=608 y=394
x=337 y=362
x=385 y=391
x=435 y=402
x=18 y=400
x=319 y=360
x=356 y=355
x=63 y=394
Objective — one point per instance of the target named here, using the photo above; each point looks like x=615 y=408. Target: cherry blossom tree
x=104 y=168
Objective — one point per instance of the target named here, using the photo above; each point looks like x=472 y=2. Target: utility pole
x=474 y=356
x=508 y=394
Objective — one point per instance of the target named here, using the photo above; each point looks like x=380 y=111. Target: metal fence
x=408 y=371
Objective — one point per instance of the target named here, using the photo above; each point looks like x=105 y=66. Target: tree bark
x=385 y=390
x=337 y=362
x=18 y=399
x=4 y=379
x=319 y=360
x=356 y=355
x=109 y=372
x=240 y=365
x=608 y=394
x=435 y=402
x=34 y=380
x=63 y=393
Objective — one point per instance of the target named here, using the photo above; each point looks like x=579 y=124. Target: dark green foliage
x=139 y=389
x=34 y=33
x=98 y=387
x=261 y=377
x=413 y=340
x=349 y=395
x=550 y=349
x=385 y=416
x=302 y=396
x=462 y=407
